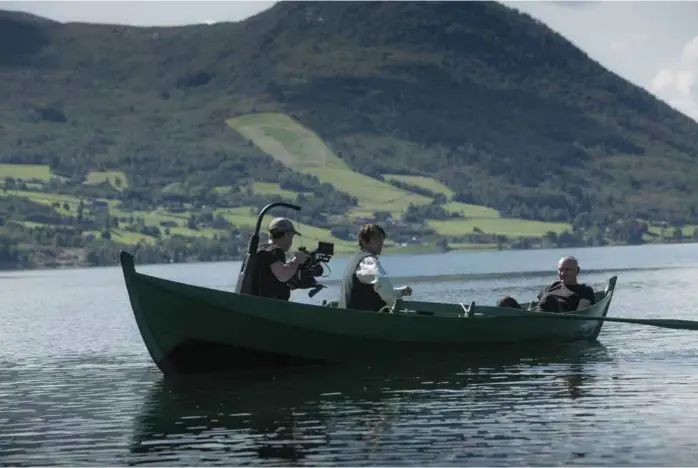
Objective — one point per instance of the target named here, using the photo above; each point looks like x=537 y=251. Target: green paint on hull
x=192 y=329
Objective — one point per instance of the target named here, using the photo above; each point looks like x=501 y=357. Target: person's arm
x=587 y=298
x=547 y=289
x=283 y=271
x=370 y=271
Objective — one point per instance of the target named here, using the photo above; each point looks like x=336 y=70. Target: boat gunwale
x=480 y=312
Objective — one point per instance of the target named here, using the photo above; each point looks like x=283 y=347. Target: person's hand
x=405 y=291
x=301 y=257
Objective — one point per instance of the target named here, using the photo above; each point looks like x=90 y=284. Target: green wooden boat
x=193 y=329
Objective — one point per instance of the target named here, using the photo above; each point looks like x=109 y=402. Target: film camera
x=312 y=268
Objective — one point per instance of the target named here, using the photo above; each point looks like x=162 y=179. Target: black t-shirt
x=582 y=291
x=554 y=294
x=269 y=285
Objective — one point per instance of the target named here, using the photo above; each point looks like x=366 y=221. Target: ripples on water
x=573 y=405
x=77 y=388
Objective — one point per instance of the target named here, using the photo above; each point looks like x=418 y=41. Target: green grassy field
x=43 y=172
x=175 y=187
x=302 y=150
x=465 y=209
x=152 y=218
x=126 y=237
x=50 y=199
x=26 y=171
x=96 y=177
x=266 y=188
x=505 y=226
x=471 y=211
x=668 y=231
x=241 y=217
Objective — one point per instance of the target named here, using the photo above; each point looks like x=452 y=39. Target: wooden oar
x=676 y=324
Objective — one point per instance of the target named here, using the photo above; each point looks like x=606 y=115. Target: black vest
x=265 y=284
x=355 y=294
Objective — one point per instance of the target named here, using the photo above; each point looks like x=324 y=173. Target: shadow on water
x=338 y=414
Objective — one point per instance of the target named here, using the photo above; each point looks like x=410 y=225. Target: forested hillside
x=452 y=122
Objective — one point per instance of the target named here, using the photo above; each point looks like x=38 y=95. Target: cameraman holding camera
x=366 y=286
x=273 y=270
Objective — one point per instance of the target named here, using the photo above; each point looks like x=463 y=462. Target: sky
x=651 y=44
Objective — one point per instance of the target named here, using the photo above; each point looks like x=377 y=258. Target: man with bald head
x=564 y=295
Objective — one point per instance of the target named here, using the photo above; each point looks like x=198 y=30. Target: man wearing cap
x=273 y=269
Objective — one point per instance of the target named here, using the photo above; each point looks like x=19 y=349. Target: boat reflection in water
x=410 y=412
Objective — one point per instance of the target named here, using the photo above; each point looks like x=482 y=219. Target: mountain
x=487 y=104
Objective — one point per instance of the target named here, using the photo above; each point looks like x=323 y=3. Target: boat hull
x=192 y=329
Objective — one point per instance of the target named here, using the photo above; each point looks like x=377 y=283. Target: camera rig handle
x=255 y=235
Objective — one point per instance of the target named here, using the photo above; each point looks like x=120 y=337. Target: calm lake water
x=77 y=386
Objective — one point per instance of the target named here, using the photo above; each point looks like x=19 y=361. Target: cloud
x=684 y=81
x=671 y=80
x=620 y=46
x=626 y=44
x=678 y=84
x=686 y=106
x=689 y=54
x=144 y=13
x=574 y=3
x=663 y=79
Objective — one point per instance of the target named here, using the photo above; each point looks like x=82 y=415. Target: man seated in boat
x=366 y=285
x=564 y=295
x=272 y=269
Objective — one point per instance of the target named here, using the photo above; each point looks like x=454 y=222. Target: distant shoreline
x=389 y=252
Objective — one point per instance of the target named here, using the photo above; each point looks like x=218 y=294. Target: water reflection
x=346 y=414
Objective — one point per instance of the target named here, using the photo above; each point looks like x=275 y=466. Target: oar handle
x=676 y=324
